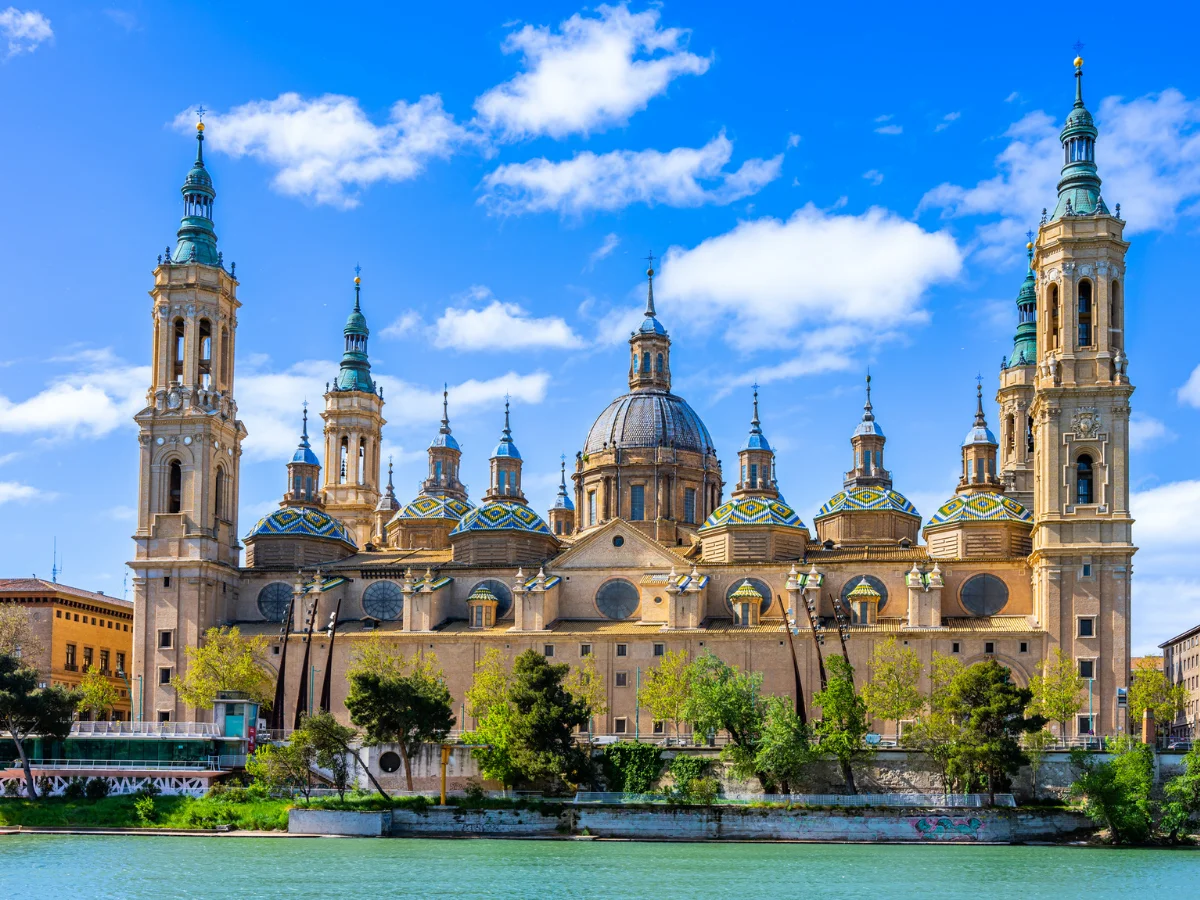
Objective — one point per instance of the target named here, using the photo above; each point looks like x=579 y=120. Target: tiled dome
x=869 y=499
x=431 y=506
x=754 y=511
x=982 y=506
x=502 y=515
x=649 y=419
x=304 y=521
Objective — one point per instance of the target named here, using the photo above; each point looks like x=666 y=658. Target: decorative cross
x=1029 y=235
x=1078 y=48
x=650 y=259
x=357 y=270
x=200 y=111
x=979 y=381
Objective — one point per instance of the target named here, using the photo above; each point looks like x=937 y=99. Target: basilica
x=649 y=546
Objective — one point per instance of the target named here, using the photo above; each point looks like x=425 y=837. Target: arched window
x=984 y=595
x=175 y=487
x=219 y=495
x=646 y=363
x=177 y=363
x=383 y=600
x=275 y=600
x=224 y=371
x=1010 y=437
x=362 y=460
x=1055 y=318
x=1085 y=314
x=204 y=345
x=1116 y=323
x=343 y=460
x=658 y=364
x=764 y=591
x=617 y=599
x=1029 y=433
x=1083 y=480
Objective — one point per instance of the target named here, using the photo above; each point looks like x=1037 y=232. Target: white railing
x=935 y=801
x=144 y=729
x=207 y=765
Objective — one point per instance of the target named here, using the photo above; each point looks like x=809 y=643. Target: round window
x=852 y=583
x=617 y=599
x=762 y=587
x=274 y=600
x=984 y=595
x=501 y=592
x=389 y=761
x=383 y=600
x=618 y=541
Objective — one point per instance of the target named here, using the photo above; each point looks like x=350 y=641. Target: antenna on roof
x=54 y=570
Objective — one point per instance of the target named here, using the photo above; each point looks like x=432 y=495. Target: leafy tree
x=783 y=749
x=281 y=767
x=843 y=723
x=991 y=710
x=27 y=710
x=408 y=709
x=331 y=742
x=1037 y=744
x=489 y=705
x=632 y=766
x=893 y=692
x=723 y=698
x=1057 y=690
x=585 y=685
x=16 y=634
x=545 y=716
x=96 y=694
x=936 y=734
x=1151 y=689
x=1116 y=792
x=666 y=688
x=943 y=670
x=1182 y=795
x=225 y=661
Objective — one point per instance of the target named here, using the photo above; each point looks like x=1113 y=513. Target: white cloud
x=879 y=120
x=610 y=243
x=6 y=458
x=593 y=72
x=946 y=120
x=479 y=329
x=890 y=129
x=24 y=29
x=618 y=179
x=408 y=322
x=793 y=141
x=98 y=394
x=874 y=176
x=1011 y=97
x=1146 y=430
x=15 y=492
x=326 y=148
x=1165 y=601
x=1190 y=392
x=818 y=281
x=1148 y=154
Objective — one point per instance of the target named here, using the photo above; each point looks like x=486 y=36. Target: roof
x=649 y=418
x=502 y=515
x=754 y=511
x=36 y=586
x=980 y=506
x=867 y=499
x=1191 y=632
x=301 y=521
x=435 y=506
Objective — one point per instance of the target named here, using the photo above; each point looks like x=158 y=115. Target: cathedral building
x=641 y=551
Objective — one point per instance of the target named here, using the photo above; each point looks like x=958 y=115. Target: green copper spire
x=197 y=242
x=355 y=373
x=1025 y=342
x=1079 y=187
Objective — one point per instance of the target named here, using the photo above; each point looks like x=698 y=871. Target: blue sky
x=826 y=193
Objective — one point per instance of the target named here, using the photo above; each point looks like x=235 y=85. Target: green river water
x=47 y=867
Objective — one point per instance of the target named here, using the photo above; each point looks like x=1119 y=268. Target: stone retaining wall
x=339 y=822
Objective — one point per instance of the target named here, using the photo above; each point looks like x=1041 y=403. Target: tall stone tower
x=186 y=558
x=1082 y=537
x=353 y=431
x=1018 y=376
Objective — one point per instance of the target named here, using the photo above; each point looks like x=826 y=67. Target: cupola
x=196 y=240
x=505 y=466
x=304 y=472
x=650 y=348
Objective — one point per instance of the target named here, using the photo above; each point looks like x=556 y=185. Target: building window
x=164 y=715
x=71 y=665
x=658 y=728
x=1085 y=314
x=383 y=600
x=658 y=364
x=1054 y=317
x=164 y=674
x=1087 y=627
x=1085 y=725
x=620 y=725
x=637 y=502
x=175 y=487
x=622 y=679
x=1083 y=480
x=166 y=584
x=1087 y=668
x=989 y=647
x=1024 y=647
x=622 y=649
x=659 y=649
x=120 y=663
x=104 y=660
x=88 y=658
x=689 y=505
x=591 y=507
x=617 y=599
x=954 y=647
x=983 y=595
x=164 y=640
x=219 y=495
x=1086 y=571
x=58 y=614
x=585 y=650
x=548 y=651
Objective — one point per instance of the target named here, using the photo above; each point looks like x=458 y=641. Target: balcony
x=70 y=667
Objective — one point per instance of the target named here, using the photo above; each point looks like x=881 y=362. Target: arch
x=983 y=595
x=1116 y=316
x=1055 y=318
x=646 y=362
x=219 y=493
x=1084 y=481
x=179 y=337
x=1010 y=434
x=617 y=599
x=362 y=460
x=223 y=372
x=852 y=583
x=1085 y=338
x=1029 y=433
x=658 y=364
x=762 y=587
x=500 y=591
x=383 y=600
x=343 y=461
x=174 y=486
x=274 y=601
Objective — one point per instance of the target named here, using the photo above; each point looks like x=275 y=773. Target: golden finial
x=1079 y=62
x=1078 y=48
x=1029 y=246
x=200 y=126
x=357 y=280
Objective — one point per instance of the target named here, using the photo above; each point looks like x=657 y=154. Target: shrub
x=12 y=788
x=74 y=789
x=474 y=792
x=692 y=786
x=1116 y=793
x=45 y=785
x=144 y=807
x=147 y=789
x=97 y=788
x=632 y=766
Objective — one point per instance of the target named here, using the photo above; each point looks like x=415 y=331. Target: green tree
x=723 y=698
x=1182 y=795
x=283 y=767
x=943 y=670
x=489 y=705
x=784 y=749
x=936 y=734
x=16 y=634
x=225 y=661
x=545 y=716
x=991 y=710
x=96 y=694
x=331 y=741
x=893 y=691
x=585 y=685
x=1037 y=745
x=843 y=722
x=27 y=710
x=1116 y=792
x=1152 y=690
x=667 y=687
x=1057 y=690
x=407 y=709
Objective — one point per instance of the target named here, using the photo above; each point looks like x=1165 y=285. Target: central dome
x=649 y=419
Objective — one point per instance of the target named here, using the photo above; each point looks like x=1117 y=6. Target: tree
x=1057 y=690
x=96 y=694
x=783 y=750
x=893 y=692
x=1182 y=797
x=408 y=709
x=1116 y=791
x=943 y=670
x=843 y=723
x=723 y=698
x=1152 y=690
x=225 y=661
x=279 y=767
x=936 y=734
x=1037 y=744
x=16 y=634
x=585 y=685
x=27 y=710
x=489 y=705
x=991 y=710
x=331 y=742
x=545 y=717
x=667 y=687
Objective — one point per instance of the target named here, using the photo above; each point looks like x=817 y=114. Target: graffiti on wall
x=934 y=827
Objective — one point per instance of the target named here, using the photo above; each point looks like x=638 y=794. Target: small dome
x=562 y=501
x=754 y=511
x=651 y=325
x=980 y=434
x=981 y=506
x=304 y=454
x=444 y=440
x=506 y=448
x=746 y=591
x=864 y=590
x=869 y=499
x=431 y=506
x=756 y=441
x=502 y=515
x=301 y=521
x=482 y=595
x=649 y=419
x=356 y=323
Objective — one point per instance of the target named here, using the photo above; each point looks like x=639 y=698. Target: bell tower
x=1082 y=536
x=1018 y=375
x=187 y=550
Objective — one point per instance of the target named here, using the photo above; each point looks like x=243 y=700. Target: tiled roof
x=305 y=521
x=39 y=586
x=502 y=515
x=868 y=499
x=431 y=506
x=754 y=511
x=981 y=506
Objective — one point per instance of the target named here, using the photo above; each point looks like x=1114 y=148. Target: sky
x=824 y=194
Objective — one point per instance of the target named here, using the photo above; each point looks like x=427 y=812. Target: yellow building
x=77 y=629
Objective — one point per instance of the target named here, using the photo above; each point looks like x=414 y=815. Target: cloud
x=874 y=176
x=592 y=73
x=327 y=149
x=793 y=141
x=24 y=30
x=123 y=18
x=612 y=181
x=15 y=492
x=98 y=394
x=890 y=129
x=819 y=281
x=1011 y=97
x=1148 y=154
x=1146 y=430
x=1190 y=392
x=1165 y=602
x=408 y=322
x=611 y=242
x=946 y=120
x=467 y=329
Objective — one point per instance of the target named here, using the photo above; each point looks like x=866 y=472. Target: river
x=48 y=867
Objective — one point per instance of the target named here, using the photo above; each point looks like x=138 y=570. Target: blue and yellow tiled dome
x=754 y=511
x=502 y=515
x=982 y=506
x=301 y=521
x=432 y=506
x=867 y=498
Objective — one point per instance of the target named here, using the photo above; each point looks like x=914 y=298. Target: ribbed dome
x=754 y=511
x=303 y=521
x=502 y=515
x=649 y=419
x=981 y=506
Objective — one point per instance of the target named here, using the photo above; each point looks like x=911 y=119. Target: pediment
x=598 y=550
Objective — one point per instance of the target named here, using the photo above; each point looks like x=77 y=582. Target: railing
x=937 y=801
x=70 y=667
x=145 y=729
x=208 y=765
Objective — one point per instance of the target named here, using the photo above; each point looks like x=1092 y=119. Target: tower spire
x=355 y=372
x=868 y=409
x=650 y=313
x=445 y=429
x=196 y=241
x=980 y=421
x=1079 y=186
